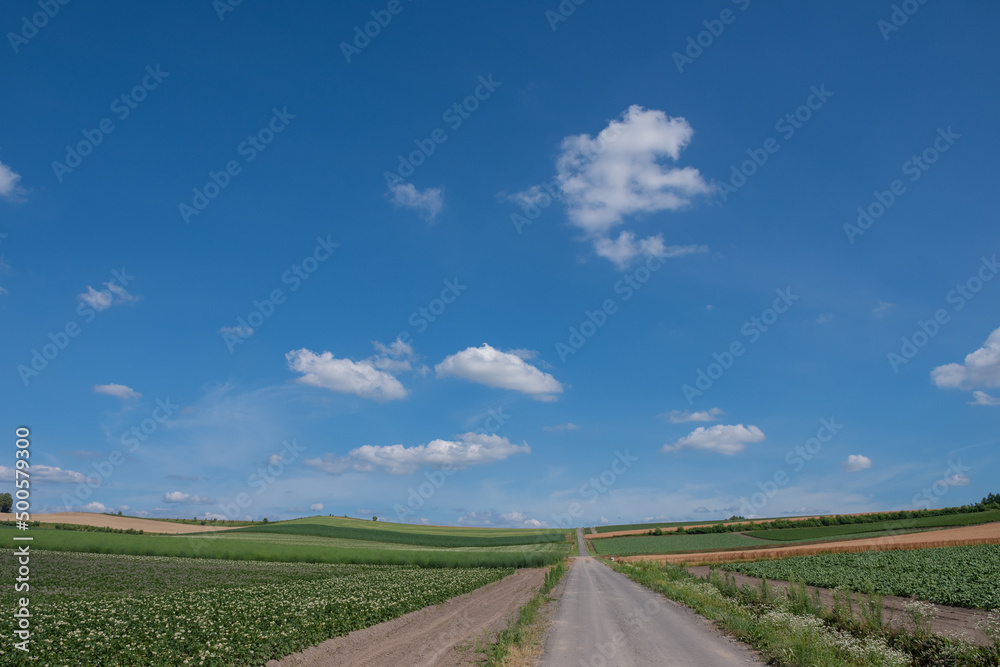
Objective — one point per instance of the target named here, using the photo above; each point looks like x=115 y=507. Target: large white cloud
x=855 y=463
x=368 y=378
x=468 y=450
x=981 y=368
x=504 y=370
x=43 y=473
x=117 y=390
x=721 y=439
x=428 y=203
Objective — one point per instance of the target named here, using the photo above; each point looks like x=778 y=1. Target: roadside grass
x=429 y=539
x=794 y=630
x=524 y=634
x=189 y=546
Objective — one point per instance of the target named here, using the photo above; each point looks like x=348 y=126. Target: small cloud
x=123 y=508
x=982 y=398
x=114 y=295
x=316 y=507
x=83 y=454
x=41 y=473
x=625 y=249
x=855 y=463
x=568 y=426
x=369 y=378
x=958 y=479
x=10 y=188
x=428 y=203
x=186 y=498
x=684 y=416
x=209 y=516
x=720 y=439
x=504 y=370
x=824 y=318
x=242 y=332
x=90 y=507
x=882 y=308
x=118 y=391
x=605 y=519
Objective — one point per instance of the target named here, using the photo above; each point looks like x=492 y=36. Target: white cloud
x=89 y=507
x=568 y=426
x=186 y=498
x=117 y=390
x=242 y=332
x=504 y=370
x=624 y=250
x=212 y=515
x=114 y=295
x=882 y=307
x=683 y=416
x=369 y=378
x=500 y=520
x=824 y=318
x=428 y=203
x=316 y=507
x=470 y=449
x=958 y=479
x=856 y=462
x=43 y=473
x=982 y=398
x=721 y=439
x=981 y=368
x=10 y=188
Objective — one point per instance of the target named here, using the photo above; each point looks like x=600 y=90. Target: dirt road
x=604 y=618
x=442 y=635
x=580 y=543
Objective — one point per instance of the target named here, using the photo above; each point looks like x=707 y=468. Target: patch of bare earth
x=951 y=621
x=443 y=635
x=123 y=522
x=987 y=533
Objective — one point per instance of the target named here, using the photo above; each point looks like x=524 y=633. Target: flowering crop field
x=958 y=576
x=99 y=609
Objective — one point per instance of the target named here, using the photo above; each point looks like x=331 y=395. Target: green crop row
x=90 y=609
x=464 y=539
x=824 y=532
x=670 y=543
x=958 y=576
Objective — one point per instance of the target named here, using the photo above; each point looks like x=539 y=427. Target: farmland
x=660 y=544
x=855 y=530
x=958 y=576
x=139 y=610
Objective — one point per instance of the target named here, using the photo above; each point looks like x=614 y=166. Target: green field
x=670 y=544
x=94 y=609
x=853 y=530
x=958 y=576
x=192 y=546
x=344 y=522
x=563 y=548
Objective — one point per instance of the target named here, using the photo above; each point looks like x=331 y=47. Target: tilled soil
x=443 y=635
x=951 y=621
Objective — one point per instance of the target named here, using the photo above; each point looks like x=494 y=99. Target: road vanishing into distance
x=605 y=618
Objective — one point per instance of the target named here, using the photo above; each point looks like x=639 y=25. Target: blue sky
x=513 y=265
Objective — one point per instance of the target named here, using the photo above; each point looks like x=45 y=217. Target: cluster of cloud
x=10 y=184
x=499 y=519
x=375 y=377
x=117 y=390
x=114 y=295
x=720 y=439
x=42 y=473
x=981 y=369
x=186 y=498
x=855 y=463
x=468 y=450
x=428 y=203
x=621 y=172
x=683 y=416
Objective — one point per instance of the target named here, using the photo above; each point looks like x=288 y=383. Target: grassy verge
x=795 y=630
x=195 y=547
x=525 y=632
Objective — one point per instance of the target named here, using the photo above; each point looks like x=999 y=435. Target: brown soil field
x=443 y=635
x=951 y=621
x=987 y=533
x=123 y=522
